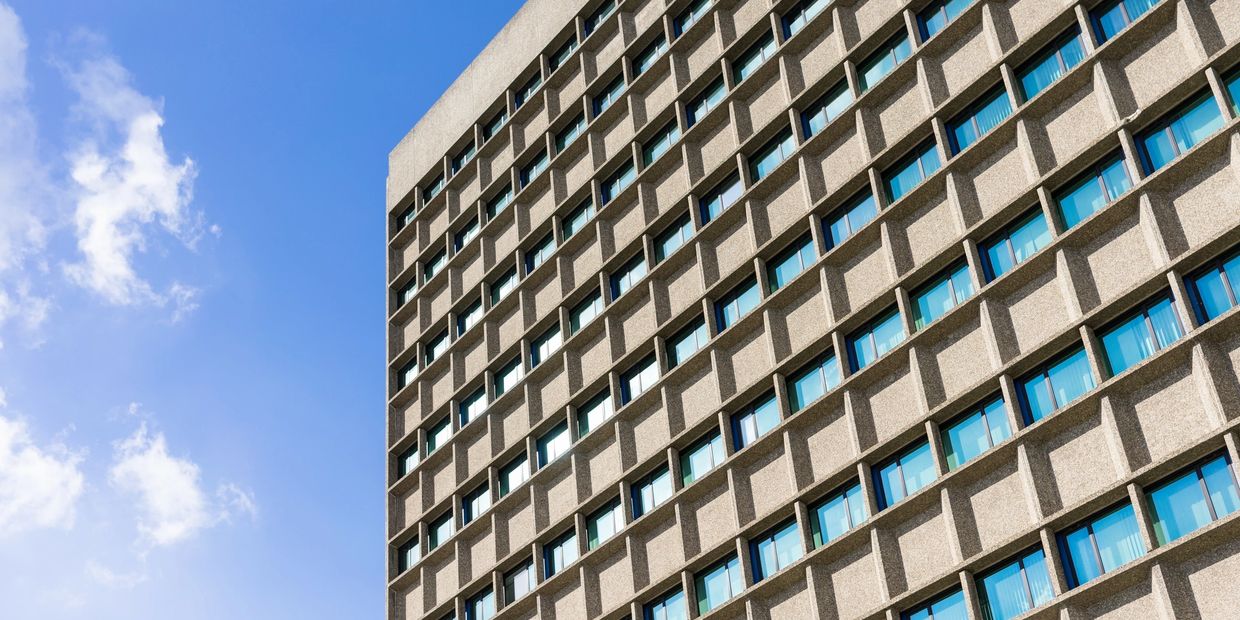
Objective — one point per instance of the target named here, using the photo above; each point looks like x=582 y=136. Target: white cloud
x=39 y=487
x=112 y=578
x=172 y=504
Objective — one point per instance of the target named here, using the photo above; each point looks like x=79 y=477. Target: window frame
x=731 y=186
x=638 y=373
x=867 y=331
x=1019 y=560
x=1087 y=524
x=704 y=102
x=1218 y=265
x=1053 y=49
x=630 y=273
x=1042 y=372
x=970 y=116
x=711 y=443
x=1004 y=236
x=897 y=459
x=552 y=445
x=681 y=229
x=753 y=57
x=771 y=536
x=947 y=275
x=890 y=48
x=1141 y=310
x=695 y=330
x=1095 y=173
x=915 y=157
x=982 y=411
x=822 y=106
x=773 y=152
x=1195 y=469
x=1164 y=126
x=818 y=533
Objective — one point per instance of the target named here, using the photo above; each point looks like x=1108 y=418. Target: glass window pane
x=1081 y=550
x=1158 y=149
x=918 y=468
x=1082 y=201
x=1212 y=293
x=1004 y=594
x=1071 y=378
x=1115 y=176
x=1221 y=484
x=892 y=485
x=1179 y=508
x=965 y=440
x=934 y=303
x=1128 y=344
x=1118 y=539
x=888 y=335
x=788 y=548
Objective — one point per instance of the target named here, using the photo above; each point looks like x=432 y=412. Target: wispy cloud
x=39 y=486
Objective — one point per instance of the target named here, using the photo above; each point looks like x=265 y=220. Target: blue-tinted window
x=628 y=275
x=910 y=172
x=904 y=475
x=771 y=155
x=673 y=238
x=569 y=134
x=439 y=531
x=562 y=54
x=849 y=220
x=539 y=254
x=721 y=197
x=1193 y=499
x=534 y=168
x=652 y=491
x=481 y=606
x=577 y=218
x=718 y=584
x=610 y=94
x=690 y=16
x=670 y=606
x=686 y=342
x=646 y=59
x=433 y=189
x=554 y=444
x=518 y=582
x=1015 y=244
x=947 y=607
x=755 y=421
x=1110 y=18
x=527 y=91
x=884 y=61
x=1055 y=385
x=736 y=304
x=842 y=511
x=979 y=120
x=753 y=58
x=776 y=550
x=1183 y=130
x=499 y=202
x=936 y=17
x=705 y=102
x=604 y=524
x=494 y=125
x=592 y=414
x=1139 y=336
x=876 y=339
x=463 y=157
x=585 y=311
x=975 y=433
x=560 y=553
x=636 y=380
x=434 y=264
x=465 y=234
x=601 y=13
x=1102 y=184
x=947 y=291
x=789 y=264
x=1233 y=92
x=618 y=181
x=1213 y=289
x=826 y=109
x=407 y=461
x=1016 y=587
x=796 y=18
x=1052 y=64
x=1101 y=545
x=661 y=143
x=701 y=457
x=811 y=383
x=472 y=406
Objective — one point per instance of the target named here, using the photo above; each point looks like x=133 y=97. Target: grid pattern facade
x=826 y=309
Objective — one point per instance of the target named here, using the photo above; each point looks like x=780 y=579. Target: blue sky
x=191 y=310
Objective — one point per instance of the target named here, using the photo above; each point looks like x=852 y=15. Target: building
x=850 y=309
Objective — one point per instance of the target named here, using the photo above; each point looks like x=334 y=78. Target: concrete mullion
x=1220 y=93
x=1086 y=27
x=880 y=566
x=889 y=241
x=1155 y=240
x=986 y=310
x=1162 y=593
x=1145 y=524
x=867 y=489
x=972 y=601
x=1028 y=152
x=952 y=180
x=1190 y=35
x=991 y=31
x=1132 y=160
x=1095 y=354
x=1233 y=450
x=1103 y=88
x=1114 y=437
x=1029 y=483
x=1207 y=386
x=1067 y=285
x=1054 y=560
x=851 y=410
x=1046 y=202
x=1180 y=298
x=952 y=529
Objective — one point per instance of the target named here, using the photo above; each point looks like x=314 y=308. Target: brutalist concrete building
x=821 y=309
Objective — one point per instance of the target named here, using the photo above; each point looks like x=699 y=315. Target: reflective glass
x=791 y=264
x=1093 y=193
x=837 y=515
x=851 y=220
x=1017 y=245
x=755 y=422
x=719 y=584
x=879 y=65
x=777 y=551
x=1016 y=588
x=812 y=383
x=975 y=434
x=826 y=109
x=701 y=458
x=1052 y=66
x=950 y=607
x=912 y=173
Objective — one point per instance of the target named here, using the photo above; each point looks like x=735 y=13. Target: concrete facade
x=1109 y=446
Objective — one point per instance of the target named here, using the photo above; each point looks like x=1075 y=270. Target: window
x=904 y=475
x=1016 y=587
x=1193 y=499
x=686 y=342
x=675 y=236
x=1233 y=91
x=407 y=555
x=538 y=254
x=1213 y=289
x=705 y=102
x=628 y=275
x=481 y=606
x=465 y=234
x=721 y=197
x=513 y=475
x=599 y=14
x=755 y=421
x=439 y=531
x=534 y=168
x=719 y=583
x=508 y=376
x=553 y=445
x=975 y=433
x=432 y=189
x=1013 y=245
x=909 y=173
x=472 y=406
x=691 y=16
x=652 y=491
x=736 y=304
x=463 y=157
x=475 y=503
x=771 y=155
x=979 y=120
x=545 y=346
x=795 y=19
x=527 y=91
x=660 y=143
x=559 y=554
x=753 y=58
x=638 y=379
x=407 y=373
x=646 y=59
x=1052 y=64
x=947 y=291
x=503 y=286
x=618 y=181
x=562 y=54
x=876 y=339
x=569 y=134
x=840 y=512
x=948 y=607
x=938 y=15
x=670 y=606
x=1151 y=329
x=592 y=414
x=438 y=435
x=847 y=221
x=825 y=110
x=576 y=219
x=776 y=550
x=584 y=312
x=1101 y=545
x=1112 y=17
x=518 y=582
x=434 y=264
x=407 y=461
x=811 y=383
x=1102 y=184
x=406 y=292
x=701 y=457
x=469 y=317
x=1055 y=385
x=494 y=125
x=1184 y=129
x=604 y=524
x=436 y=347
x=406 y=218
x=884 y=61
x=791 y=263
x=498 y=203
x=610 y=94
